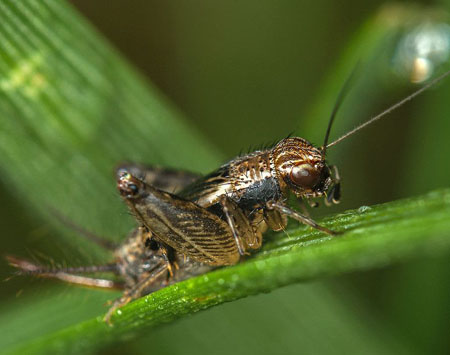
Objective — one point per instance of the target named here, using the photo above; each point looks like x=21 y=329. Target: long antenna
x=390 y=109
x=337 y=105
x=103 y=242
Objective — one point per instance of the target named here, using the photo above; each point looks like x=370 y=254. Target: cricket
x=189 y=224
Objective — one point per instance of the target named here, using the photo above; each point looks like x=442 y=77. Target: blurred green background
x=247 y=73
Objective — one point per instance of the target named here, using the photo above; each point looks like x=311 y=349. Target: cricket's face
x=302 y=168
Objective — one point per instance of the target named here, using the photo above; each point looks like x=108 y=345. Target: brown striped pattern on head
x=292 y=152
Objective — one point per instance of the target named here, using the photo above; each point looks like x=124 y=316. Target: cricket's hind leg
x=153 y=280
x=69 y=274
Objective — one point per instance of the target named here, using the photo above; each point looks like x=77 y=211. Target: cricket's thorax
x=248 y=180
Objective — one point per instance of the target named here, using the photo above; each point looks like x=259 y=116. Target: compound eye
x=305 y=176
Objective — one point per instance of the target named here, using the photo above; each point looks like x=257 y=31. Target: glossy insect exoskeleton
x=220 y=217
x=189 y=224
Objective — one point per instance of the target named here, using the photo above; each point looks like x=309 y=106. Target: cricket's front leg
x=334 y=195
x=245 y=236
x=284 y=210
x=188 y=228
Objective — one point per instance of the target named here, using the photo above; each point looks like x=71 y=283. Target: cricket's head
x=301 y=168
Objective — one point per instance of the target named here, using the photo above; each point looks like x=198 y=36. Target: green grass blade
x=374 y=237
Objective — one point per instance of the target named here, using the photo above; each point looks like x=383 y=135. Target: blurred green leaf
x=71 y=109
